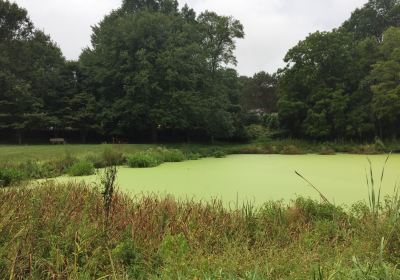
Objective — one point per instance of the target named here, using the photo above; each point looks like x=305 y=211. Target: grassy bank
x=62 y=232
x=14 y=153
x=19 y=163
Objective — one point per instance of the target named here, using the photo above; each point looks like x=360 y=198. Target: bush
x=219 y=154
x=174 y=249
x=96 y=159
x=271 y=121
x=256 y=132
x=327 y=151
x=62 y=166
x=291 y=150
x=113 y=157
x=37 y=170
x=143 y=160
x=10 y=175
x=81 y=168
x=311 y=210
x=193 y=156
x=368 y=149
x=379 y=145
x=130 y=257
x=172 y=155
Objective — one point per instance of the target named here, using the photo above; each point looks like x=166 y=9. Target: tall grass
x=374 y=192
x=55 y=231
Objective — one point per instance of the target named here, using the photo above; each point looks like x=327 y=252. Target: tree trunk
x=212 y=139
x=83 y=136
x=154 y=135
x=187 y=137
x=19 y=137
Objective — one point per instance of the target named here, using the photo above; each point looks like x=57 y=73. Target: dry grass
x=59 y=232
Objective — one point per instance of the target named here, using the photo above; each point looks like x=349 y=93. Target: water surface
x=259 y=178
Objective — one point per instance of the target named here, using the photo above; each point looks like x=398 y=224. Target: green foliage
x=373 y=19
x=111 y=156
x=168 y=155
x=174 y=248
x=256 y=132
x=193 y=156
x=219 y=153
x=327 y=151
x=37 y=170
x=291 y=150
x=130 y=257
x=151 y=237
x=312 y=211
x=143 y=160
x=328 y=90
x=385 y=85
x=9 y=176
x=260 y=92
x=81 y=168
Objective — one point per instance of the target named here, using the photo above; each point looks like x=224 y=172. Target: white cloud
x=271 y=26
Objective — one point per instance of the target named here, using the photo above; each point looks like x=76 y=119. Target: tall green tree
x=30 y=67
x=373 y=19
x=319 y=88
x=385 y=77
x=151 y=68
x=260 y=93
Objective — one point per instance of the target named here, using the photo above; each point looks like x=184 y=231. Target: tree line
x=345 y=83
x=154 y=68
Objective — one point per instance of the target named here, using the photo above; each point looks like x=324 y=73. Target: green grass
x=143 y=160
x=14 y=153
x=81 y=168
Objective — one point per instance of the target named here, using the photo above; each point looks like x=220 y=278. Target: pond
x=259 y=178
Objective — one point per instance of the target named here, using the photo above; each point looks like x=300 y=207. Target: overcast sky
x=271 y=26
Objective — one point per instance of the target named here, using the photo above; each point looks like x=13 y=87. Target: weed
x=143 y=160
x=10 y=175
x=81 y=168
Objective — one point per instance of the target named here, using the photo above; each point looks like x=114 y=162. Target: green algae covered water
x=259 y=178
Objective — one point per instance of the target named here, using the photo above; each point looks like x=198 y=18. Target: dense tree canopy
x=30 y=67
x=342 y=84
x=373 y=19
x=385 y=77
x=156 y=69
x=260 y=92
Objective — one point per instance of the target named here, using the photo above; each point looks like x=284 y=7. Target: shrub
x=327 y=151
x=173 y=248
x=291 y=150
x=379 y=145
x=255 y=132
x=311 y=210
x=62 y=166
x=219 y=154
x=193 y=156
x=10 y=175
x=81 y=168
x=143 y=160
x=171 y=155
x=368 y=149
x=113 y=157
x=96 y=159
x=130 y=257
x=37 y=170
x=271 y=121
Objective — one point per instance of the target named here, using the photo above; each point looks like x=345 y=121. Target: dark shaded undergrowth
x=59 y=231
